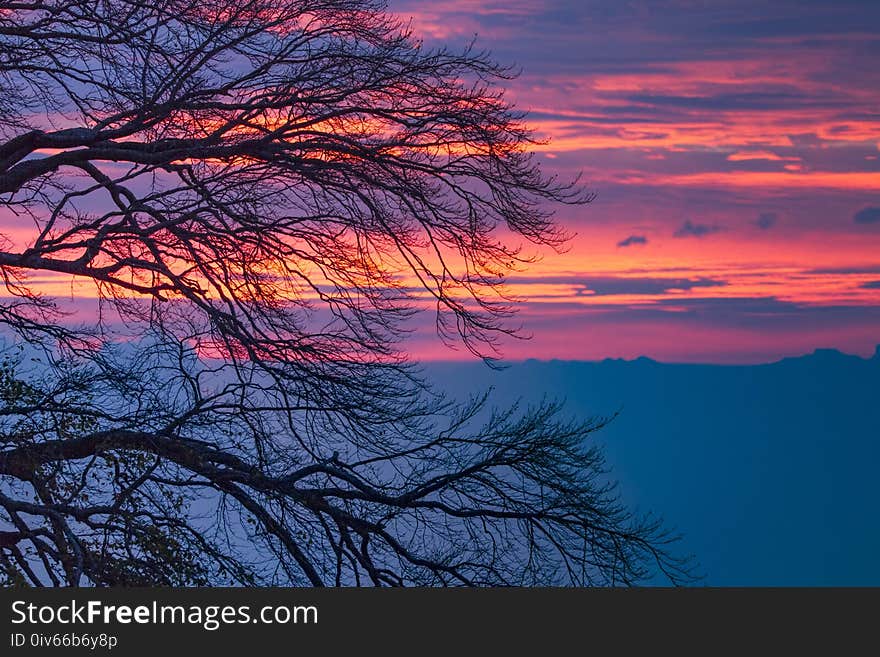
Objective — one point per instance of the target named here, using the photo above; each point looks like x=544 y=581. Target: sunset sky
x=735 y=150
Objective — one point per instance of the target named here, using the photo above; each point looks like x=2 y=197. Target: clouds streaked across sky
x=751 y=129
x=734 y=147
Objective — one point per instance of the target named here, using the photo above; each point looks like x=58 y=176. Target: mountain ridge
x=819 y=352
x=768 y=471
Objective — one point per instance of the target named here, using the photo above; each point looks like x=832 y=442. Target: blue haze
x=769 y=471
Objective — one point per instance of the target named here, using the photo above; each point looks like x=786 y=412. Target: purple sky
x=734 y=148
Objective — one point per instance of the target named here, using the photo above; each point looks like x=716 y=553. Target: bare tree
x=261 y=195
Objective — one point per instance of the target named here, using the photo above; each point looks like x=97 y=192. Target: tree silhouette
x=261 y=195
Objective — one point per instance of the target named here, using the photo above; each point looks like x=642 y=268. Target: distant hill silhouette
x=771 y=471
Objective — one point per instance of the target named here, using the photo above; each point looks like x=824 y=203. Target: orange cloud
x=745 y=156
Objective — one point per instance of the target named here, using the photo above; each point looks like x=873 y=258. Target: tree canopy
x=262 y=196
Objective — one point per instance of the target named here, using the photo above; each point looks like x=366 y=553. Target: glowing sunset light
x=730 y=149
x=745 y=161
